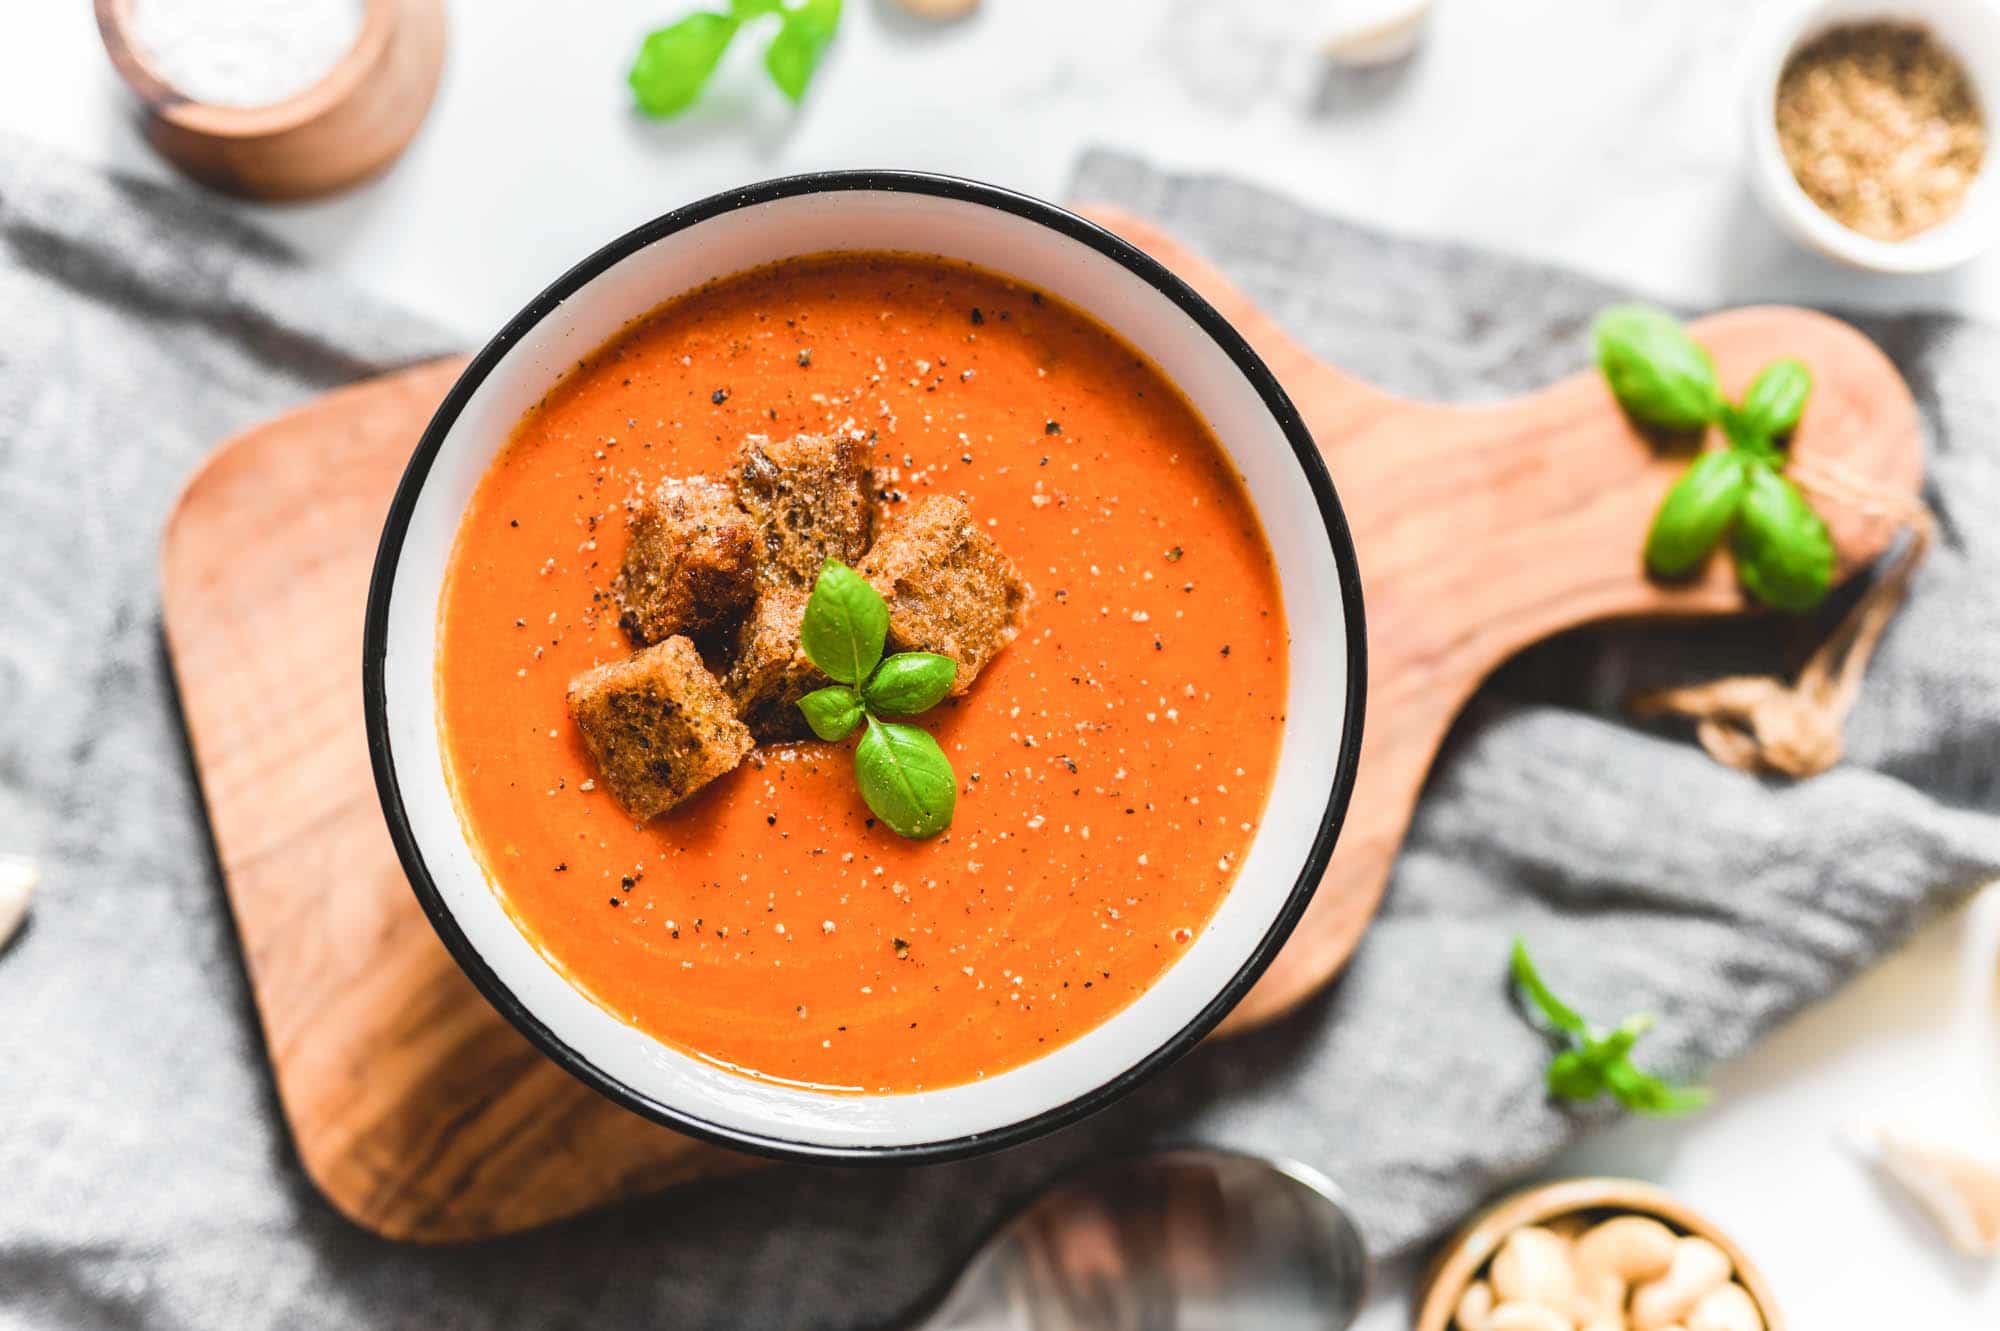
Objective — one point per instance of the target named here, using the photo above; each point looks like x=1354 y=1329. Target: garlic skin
x=18 y=876
x=1364 y=33
x=1958 y=1184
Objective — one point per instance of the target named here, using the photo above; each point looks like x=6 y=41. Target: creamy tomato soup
x=1112 y=762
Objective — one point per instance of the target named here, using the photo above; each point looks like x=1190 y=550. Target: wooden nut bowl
x=349 y=125
x=1466 y=1253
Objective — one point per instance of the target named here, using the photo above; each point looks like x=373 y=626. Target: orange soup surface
x=1113 y=762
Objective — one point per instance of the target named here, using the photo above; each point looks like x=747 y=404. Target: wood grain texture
x=423 y=1115
x=1481 y=529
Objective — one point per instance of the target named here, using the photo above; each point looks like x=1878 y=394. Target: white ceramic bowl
x=1036 y=243
x=1971 y=29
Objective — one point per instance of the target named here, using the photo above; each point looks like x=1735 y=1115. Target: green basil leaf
x=794 y=53
x=1615 y=1047
x=1560 y=1015
x=1657 y=372
x=1646 y=1094
x=1775 y=400
x=910 y=682
x=906 y=779
x=1573 y=1077
x=749 y=9
x=674 y=62
x=1697 y=510
x=832 y=712
x=1784 y=553
x=1744 y=437
x=845 y=624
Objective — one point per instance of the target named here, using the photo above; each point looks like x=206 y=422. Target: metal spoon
x=1177 y=1241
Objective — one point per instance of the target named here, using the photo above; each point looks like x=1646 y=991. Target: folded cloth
x=149 y=1180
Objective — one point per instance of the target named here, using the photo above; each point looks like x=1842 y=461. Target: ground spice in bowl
x=1881 y=127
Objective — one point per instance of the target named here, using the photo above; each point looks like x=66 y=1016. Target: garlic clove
x=18 y=875
x=1959 y=1185
x=1361 y=33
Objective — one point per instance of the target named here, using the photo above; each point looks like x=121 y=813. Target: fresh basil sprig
x=1590 y=1063
x=674 y=63
x=1663 y=377
x=1771 y=406
x=1659 y=374
x=1696 y=513
x=1784 y=553
x=903 y=774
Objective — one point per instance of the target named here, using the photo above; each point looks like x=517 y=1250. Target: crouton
x=950 y=589
x=770 y=672
x=810 y=496
x=691 y=560
x=658 y=726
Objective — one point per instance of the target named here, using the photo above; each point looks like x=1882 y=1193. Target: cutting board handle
x=1483 y=528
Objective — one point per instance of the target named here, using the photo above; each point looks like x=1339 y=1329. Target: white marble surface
x=1597 y=133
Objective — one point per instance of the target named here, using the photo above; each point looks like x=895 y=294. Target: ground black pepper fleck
x=719 y=396
x=1052 y=427
x=977 y=316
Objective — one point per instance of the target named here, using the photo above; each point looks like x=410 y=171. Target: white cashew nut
x=1475 y=1307
x=1727 y=1308
x=1697 y=1267
x=1609 y=1258
x=1600 y=1298
x=1532 y=1266
x=1635 y=1248
x=1527 y=1317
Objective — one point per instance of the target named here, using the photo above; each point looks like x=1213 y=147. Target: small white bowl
x=1971 y=30
x=1033 y=242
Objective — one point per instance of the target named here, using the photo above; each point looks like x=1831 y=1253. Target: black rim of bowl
x=1153 y=273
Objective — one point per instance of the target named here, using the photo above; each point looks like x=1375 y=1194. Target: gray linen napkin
x=145 y=1177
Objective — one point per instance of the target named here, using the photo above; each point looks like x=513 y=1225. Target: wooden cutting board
x=423 y=1115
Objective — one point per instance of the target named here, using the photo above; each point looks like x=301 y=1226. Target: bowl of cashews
x=1593 y=1254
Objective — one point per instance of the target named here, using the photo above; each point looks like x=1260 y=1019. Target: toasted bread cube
x=690 y=561
x=810 y=497
x=770 y=672
x=658 y=725
x=950 y=588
